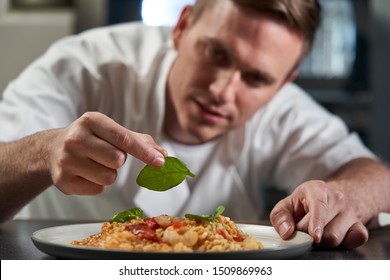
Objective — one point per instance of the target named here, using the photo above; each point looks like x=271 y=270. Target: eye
x=253 y=79
x=215 y=55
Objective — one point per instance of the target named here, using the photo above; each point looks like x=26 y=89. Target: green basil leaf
x=127 y=215
x=218 y=211
x=171 y=174
x=209 y=218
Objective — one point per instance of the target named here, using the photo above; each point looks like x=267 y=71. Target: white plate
x=55 y=241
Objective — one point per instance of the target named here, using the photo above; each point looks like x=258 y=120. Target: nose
x=224 y=87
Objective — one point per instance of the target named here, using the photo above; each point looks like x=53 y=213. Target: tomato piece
x=238 y=238
x=143 y=230
x=178 y=224
x=222 y=233
x=152 y=223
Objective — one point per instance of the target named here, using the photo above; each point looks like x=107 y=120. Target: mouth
x=209 y=114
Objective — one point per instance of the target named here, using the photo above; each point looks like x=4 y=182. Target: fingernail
x=318 y=234
x=283 y=228
x=160 y=160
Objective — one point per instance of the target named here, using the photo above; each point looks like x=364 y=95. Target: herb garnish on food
x=210 y=217
x=171 y=174
x=127 y=215
x=138 y=213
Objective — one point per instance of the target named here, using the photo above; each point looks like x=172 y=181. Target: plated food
x=129 y=230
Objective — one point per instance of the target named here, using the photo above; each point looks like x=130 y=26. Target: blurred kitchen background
x=347 y=71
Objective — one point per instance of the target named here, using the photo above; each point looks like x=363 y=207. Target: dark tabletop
x=16 y=243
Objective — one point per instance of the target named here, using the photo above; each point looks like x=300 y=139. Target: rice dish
x=172 y=234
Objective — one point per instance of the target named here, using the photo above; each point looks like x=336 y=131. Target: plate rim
x=77 y=252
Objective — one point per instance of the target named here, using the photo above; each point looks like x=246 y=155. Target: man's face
x=230 y=63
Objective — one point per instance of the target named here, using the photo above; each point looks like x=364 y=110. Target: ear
x=182 y=25
x=292 y=76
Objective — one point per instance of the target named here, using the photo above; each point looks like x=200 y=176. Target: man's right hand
x=84 y=157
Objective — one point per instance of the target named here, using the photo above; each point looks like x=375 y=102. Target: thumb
x=282 y=220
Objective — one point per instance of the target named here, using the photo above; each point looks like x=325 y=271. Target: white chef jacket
x=122 y=71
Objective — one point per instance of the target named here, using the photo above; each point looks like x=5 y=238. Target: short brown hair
x=302 y=16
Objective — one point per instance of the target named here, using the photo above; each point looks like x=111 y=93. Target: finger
x=310 y=208
x=282 y=219
x=144 y=148
x=79 y=186
x=69 y=167
x=128 y=141
x=335 y=231
x=356 y=236
x=314 y=195
x=145 y=138
x=94 y=172
x=303 y=224
x=345 y=229
x=102 y=152
x=342 y=225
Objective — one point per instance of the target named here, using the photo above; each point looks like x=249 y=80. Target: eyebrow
x=267 y=78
